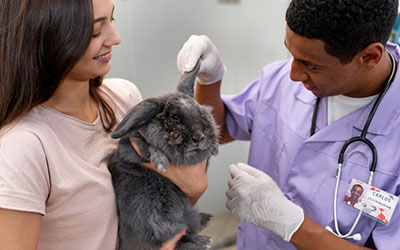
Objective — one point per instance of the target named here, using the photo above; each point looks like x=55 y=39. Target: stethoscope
x=362 y=138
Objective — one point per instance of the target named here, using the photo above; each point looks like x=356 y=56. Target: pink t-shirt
x=53 y=164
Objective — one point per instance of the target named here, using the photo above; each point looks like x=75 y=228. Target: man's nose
x=297 y=72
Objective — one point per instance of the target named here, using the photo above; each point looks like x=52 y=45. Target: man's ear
x=371 y=55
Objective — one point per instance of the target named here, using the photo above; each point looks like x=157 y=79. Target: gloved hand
x=212 y=68
x=255 y=198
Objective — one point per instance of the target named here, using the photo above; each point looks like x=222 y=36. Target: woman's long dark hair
x=40 y=42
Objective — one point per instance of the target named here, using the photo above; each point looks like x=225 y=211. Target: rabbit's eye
x=175 y=117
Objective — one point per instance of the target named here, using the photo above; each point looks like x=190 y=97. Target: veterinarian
x=299 y=116
x=56 y=115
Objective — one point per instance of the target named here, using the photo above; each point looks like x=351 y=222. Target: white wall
x=249 y=34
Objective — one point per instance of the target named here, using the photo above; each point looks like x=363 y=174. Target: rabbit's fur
x=169 y=128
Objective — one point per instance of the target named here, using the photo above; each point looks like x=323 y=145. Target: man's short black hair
x=346 y=26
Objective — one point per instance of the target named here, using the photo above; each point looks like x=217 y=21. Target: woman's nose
x=113 y=37
x=297 y=72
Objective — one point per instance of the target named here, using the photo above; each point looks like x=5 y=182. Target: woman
x=56 y=114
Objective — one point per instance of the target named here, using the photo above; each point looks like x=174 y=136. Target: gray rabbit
x=169 y=128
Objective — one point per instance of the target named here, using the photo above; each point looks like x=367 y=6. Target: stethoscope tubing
x=338 y=233
x=365 y=141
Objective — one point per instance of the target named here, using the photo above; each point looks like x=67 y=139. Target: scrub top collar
x=389 y=109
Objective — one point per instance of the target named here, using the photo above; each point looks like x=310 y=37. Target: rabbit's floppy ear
x=138 y=116
x=187 y=80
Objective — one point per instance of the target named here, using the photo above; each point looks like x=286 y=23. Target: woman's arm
x=19 y=230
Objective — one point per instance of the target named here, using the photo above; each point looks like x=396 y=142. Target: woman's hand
x=192 y=180
x=171 y=244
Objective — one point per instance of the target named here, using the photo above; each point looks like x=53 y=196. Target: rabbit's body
x=151 y=209
x=169 y=128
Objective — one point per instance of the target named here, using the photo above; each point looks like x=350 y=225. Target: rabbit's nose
x=197 y=136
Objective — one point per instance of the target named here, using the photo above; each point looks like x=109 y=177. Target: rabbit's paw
x=159 y=159
x=194 y=242
x=205 y=220
x=162 y=167
x=214 y=150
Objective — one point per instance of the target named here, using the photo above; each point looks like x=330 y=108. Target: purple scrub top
x=275 y=114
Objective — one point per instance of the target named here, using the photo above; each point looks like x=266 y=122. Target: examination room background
x=248 y=33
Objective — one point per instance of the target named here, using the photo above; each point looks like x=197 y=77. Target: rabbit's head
x=173 y=124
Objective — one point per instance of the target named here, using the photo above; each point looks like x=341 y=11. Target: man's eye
x=312 y=67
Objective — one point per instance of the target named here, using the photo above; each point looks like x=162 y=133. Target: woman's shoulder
x=23 y=159
x=119 y=83
x=26 y=131
x=122 y=94
x=121 y=88
x=23 y=142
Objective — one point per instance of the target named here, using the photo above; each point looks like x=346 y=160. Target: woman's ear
x=371 y=55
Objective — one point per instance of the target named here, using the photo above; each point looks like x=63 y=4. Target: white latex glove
x=212 y=68
x=255 y=198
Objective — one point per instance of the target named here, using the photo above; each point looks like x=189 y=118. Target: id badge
x=372 y=201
